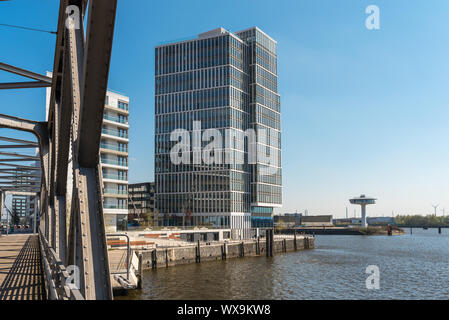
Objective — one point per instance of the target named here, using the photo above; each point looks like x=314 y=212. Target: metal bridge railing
x=57 y=278
x=128 y=252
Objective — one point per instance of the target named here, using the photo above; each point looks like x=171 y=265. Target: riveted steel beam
x=24 y=85
x=24 y=73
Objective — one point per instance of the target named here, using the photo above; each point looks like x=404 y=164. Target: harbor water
x=411 y=266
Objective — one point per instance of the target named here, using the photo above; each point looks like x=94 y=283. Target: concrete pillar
x=364 y=224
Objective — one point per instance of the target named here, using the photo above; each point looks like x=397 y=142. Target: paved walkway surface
x=21 y=276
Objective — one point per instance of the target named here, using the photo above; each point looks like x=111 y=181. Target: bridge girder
x=73 y=130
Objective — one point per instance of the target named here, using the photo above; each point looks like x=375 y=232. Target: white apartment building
x=114 y=161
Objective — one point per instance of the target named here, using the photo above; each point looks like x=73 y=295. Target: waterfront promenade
x=21 y=275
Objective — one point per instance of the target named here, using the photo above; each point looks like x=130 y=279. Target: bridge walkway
x=21 y=276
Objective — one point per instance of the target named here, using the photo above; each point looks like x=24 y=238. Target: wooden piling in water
x=166 y=258
x=267 y=242
x=140 y=272
x=198 y=253
x=223 y=251
x=154 y=259
x=295 y=246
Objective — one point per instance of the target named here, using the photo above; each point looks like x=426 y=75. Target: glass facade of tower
x=266 y=189
x=226 y=82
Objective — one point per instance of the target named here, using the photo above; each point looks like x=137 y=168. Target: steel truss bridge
x=69 y=235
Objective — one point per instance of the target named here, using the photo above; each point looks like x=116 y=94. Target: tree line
x=417 y=220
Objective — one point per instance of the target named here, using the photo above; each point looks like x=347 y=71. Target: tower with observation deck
x=363 y=201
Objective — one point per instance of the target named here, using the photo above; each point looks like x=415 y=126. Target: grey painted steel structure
x=16 y=177
x=78 y=90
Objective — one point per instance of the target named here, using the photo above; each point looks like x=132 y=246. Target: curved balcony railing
x=123 y=106
x=113 y=147
x=114 y=177
x=114 y=206
x=116 y=133
x=115 y=119
x=114 y=191
x=114 y=162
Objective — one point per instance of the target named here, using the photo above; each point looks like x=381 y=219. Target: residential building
x=228 y=82
x=19 y=208
x=141 y=203
x=114 y=161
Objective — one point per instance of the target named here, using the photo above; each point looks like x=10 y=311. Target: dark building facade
x=141 y=202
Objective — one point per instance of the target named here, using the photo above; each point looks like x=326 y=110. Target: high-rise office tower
x=217 y=131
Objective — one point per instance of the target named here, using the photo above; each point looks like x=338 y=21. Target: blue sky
x=362 y=111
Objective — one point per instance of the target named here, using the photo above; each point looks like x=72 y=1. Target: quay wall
x=167 y=257
x=342 y=231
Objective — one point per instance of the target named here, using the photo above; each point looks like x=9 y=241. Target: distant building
x=346 y=221
x=370 y=221
x=380 y=220
x=317 y=221
x=289 y=220
x=19 y=208
x=141 y=202
x=23 y=206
